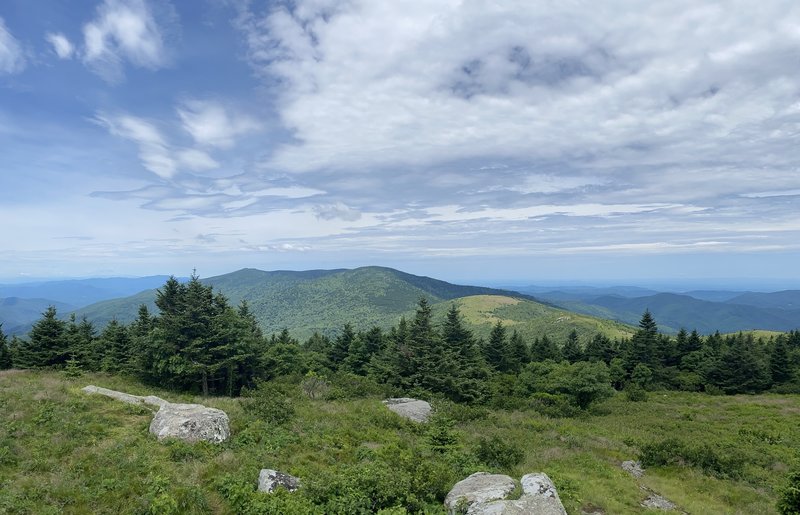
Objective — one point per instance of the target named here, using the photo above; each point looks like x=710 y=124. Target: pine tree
x=341 y=346
x=643 y=346
x=517 y=355
x=469 y=370
x=116 y=342
x=572 y=351
x=779 y=365
x=5 y=352
x=496 y=347
x=741 y=368
x=47 y=344
x=432 y=364
x=544 y=349
x=599 y=348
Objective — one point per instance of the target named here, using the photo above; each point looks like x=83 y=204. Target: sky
x=481 y=141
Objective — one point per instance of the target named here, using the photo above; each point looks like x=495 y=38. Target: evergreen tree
x=363 y=347
x=496 y=348
x=5 y=352
x=116 y=342
x=572 y=348
x=545 y=349
x=82 y=342
x=47 y=344
x=432 y=364
x=643 y=346
x=779 y=364
x=742 y=368
x=516 y=353
x=599 y=348
x=470 y=372
x=341 y=346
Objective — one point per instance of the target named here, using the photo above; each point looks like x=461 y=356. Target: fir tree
x=572 y=351
x=47 y=344
x=544 y=349
x=470 y=370
x=516 y=353
x=341 y=346
x=779 y=365
x=5 y=352
x=643 y=346
x=496 y=347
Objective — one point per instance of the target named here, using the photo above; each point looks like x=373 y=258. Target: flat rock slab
x=191 y=423
x=187 y=422
x=412 y=409
x=485 y=494
x=659 y=503
x=270 y=480
x=124 y=397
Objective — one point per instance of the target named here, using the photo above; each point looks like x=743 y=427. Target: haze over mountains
x=323 y=300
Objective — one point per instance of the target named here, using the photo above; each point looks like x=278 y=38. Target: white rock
x=190 y=423
x=478 y=489
x=412 y=409
x=269 y=480
x=124 y=397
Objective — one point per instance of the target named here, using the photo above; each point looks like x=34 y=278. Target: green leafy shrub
x=635 y=393
x=789 y=502
x=553 y=405
x=495 y=452
x=703 y=456
x=268 y=403
x=346 y=385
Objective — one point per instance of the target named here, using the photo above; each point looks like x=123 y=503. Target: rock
x=269 y=480
x=633 y=468
x=658 y=502
x=477 y=489
x=190 y=423
x=124 y=397
x=485 y=494
x=187 y=422
x=412 y=409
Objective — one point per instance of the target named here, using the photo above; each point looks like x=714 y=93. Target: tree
x=341 y=346
x=741 y=368
x=47 y=344
x=643 y=346
x=572 y=348
x=779 y=364
x=116 y=342
x=470 y=372
x=599 y=348
x=516 y=353
x=5 y=352
x=495 y=349
x=544 y=349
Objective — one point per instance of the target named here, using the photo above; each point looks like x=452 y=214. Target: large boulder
x=190 y=423
x=485 y=494
x=478 y=489
x=269 y=480
x=412 y=409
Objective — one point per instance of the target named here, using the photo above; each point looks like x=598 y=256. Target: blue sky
x=469 y=140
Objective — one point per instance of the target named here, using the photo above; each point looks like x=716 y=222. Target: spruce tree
x=469 y=370
x=779 y=364
x=544 y=349
x=341 y=346
x=496 y=348
x=572 y=351
x=643 y=346
x=116 y=343
x=517 y=355
x=47 y=343
x=5 y=352
x=599 y=348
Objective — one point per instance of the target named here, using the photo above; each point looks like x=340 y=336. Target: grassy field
x=62 y=451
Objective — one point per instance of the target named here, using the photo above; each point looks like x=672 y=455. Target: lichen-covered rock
x=190 y=423
x=657 y=502
x=478 y=489
x=485 y=494
x=269 y=480
x=124 y=397
x=412 y=409
x=633 y=468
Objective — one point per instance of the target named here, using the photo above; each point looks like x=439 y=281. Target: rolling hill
x=323 y=300
x=17 y=314
x=82 y=292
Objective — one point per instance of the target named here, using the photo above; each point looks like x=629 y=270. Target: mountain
x=314 y=300
x=673 y=311
x=324 y=300
x=82 y=292
x=787 y=299
x=18 y=314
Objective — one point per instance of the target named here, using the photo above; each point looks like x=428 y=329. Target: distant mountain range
x=323 y=300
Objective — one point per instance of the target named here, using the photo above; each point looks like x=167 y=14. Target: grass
x=62 y=451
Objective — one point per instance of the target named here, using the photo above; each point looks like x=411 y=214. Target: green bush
x=635 y=393
x=498 y=454
x=268 y=403
x=789 y=502
x=703 y=456
x=553 y=406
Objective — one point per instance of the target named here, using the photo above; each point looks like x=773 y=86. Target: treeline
x=197 y=341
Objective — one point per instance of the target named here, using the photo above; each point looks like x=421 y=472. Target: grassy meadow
x=62 y=451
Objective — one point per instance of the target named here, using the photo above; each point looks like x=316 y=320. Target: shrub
x=314 y=386
x=703 y=456
x=497 y=453
x=789 y=502
x=267 y=403
x=553 y=406
x=635 y=393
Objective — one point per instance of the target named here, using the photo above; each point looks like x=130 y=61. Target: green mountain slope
x=16 y=314
x=315 y=300
x=531 y=319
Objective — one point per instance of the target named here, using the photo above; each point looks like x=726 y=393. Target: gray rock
x=485 y=494
x=633 y=468
x=658 y=502
x=412 y=409
x=269 y=480
x=124 y=397
x=190 y=423
x=478 y=489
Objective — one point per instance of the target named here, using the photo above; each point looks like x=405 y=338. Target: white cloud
x=153 y=149
x=210 y=123
x=124 y=30
x=11 y=57
x=197 y=160
x=61 y=45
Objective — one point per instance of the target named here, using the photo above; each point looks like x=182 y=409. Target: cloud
x=11 y=57
x=210 y=123
x=124 y=30
x=61 y=45
x=337 y=211
x=153 y=149
x=197 y=160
